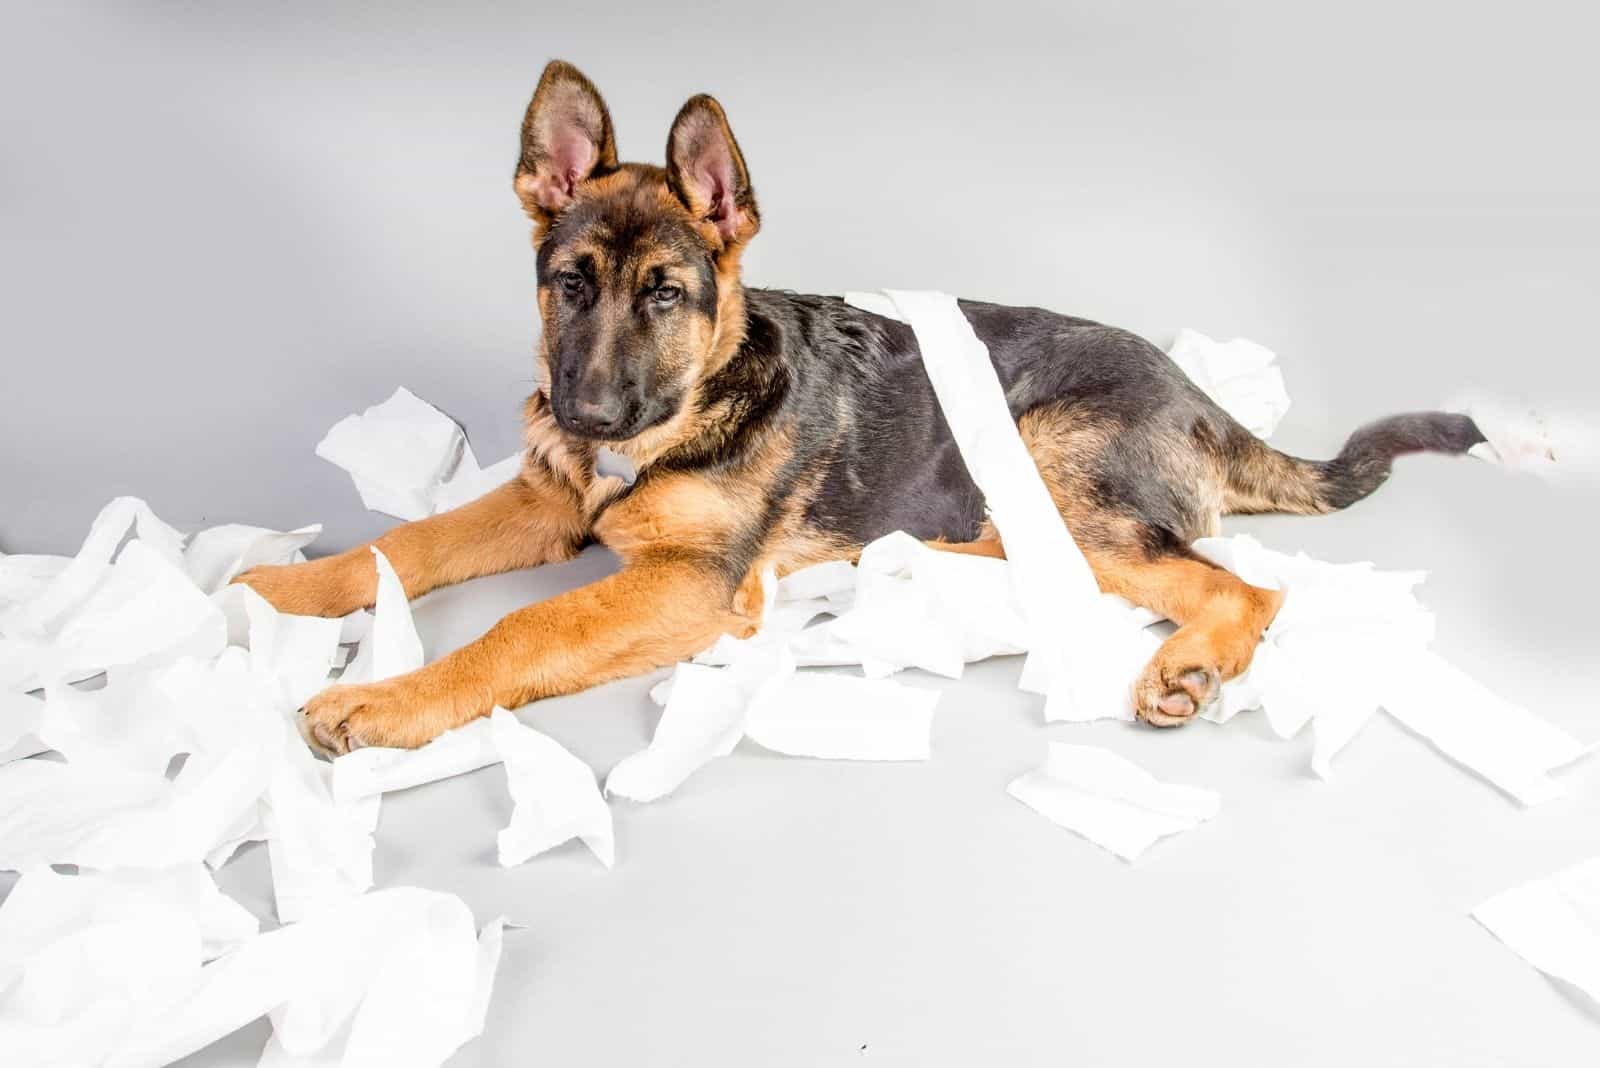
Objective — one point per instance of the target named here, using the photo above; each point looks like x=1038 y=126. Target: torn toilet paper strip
x=398 y=452
x=215 y=555
x=554 y=794
x=1512 y=748
x=703 y=720
x=379 y=770
x=1081 y=645
x=1110 y=800
x=394 y=977
x=1554 y=924
x=392 y=647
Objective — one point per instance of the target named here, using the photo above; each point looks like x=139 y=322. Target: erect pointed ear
x=706 y=171
x=566 y=140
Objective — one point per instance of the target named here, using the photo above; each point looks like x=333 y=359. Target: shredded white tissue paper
x=1110 y=800
x=398 y=452
x=703 y=719
x=21 y=723
x=410 y=460
x=1507 y=745
x=378 y=770
x=1554 y=924
x=394 y=977
x=392 y=647
x=555 y=795
x=215 y=555
x=842 y=718
x=23 y=576
x=1240 y=375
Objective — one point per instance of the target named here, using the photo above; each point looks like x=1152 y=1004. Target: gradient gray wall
x=225 y=227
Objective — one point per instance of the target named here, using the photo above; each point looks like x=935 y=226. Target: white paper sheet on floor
x=1554 y=924
x=1110 y=800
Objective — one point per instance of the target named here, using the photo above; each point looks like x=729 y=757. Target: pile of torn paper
x=188 y=748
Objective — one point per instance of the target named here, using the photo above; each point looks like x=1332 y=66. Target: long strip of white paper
x=1505 y=744
x=554 y=793
x=1066 y=615
x=1554 y=924
x=1110 y=800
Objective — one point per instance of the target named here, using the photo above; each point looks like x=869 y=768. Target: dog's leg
x=531 y=520
x=656 y=611
x=1220 y=617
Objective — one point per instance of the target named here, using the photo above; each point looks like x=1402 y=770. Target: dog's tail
x=1262 y=479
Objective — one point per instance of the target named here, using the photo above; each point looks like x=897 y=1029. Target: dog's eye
x=571 y=283
x=666 y=294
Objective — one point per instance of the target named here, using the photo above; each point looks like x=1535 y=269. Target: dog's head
x=638 y=265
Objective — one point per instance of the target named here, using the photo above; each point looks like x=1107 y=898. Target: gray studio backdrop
x=226 y=226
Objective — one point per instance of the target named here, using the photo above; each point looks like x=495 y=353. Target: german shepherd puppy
x=775 y=430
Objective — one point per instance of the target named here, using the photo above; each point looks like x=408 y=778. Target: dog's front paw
x=330 y=586
x=403 y=712
x=1172 y=691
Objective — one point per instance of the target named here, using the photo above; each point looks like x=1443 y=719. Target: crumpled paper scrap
x=410 y=460
x=1554 y=924
x=554 y=794
x=44 y=907
x=395 y=977
x=1241 y=376
x=21 y=721
x=96 y=612
x=215 y=555
x=392 y=646
x=837 y=717
x=761 y=696
x=703 y=720
x=1110 y=800
x=84 y=958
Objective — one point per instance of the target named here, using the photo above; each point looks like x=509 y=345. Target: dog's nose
x=597 y=414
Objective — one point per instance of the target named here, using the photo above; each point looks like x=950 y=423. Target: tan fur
x=529 y=521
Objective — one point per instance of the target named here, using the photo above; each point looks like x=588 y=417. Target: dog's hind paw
x=1170 y=697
